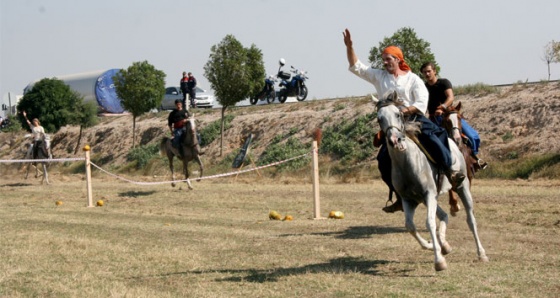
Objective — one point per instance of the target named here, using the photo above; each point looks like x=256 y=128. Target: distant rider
x=38 y=133
x=176 y=121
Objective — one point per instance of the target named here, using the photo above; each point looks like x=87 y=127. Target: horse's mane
x=412 y=128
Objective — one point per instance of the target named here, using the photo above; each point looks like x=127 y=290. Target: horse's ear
x=458 y=106
x=374 y=99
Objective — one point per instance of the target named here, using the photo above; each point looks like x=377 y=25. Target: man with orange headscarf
x=396 y=76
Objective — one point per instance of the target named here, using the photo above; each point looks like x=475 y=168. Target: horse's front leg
x=442 y=230
x=431 y=204
x=186 y=170
x=45 y=174
x=171 y=169
x=409 y=210
x=27 y=170
x=199 y=161
x=453 y=203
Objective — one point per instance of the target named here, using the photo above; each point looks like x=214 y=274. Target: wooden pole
x=316 y=197
x=88 y=176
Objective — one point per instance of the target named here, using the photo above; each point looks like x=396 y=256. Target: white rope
x=41 y=160
x=201 y=178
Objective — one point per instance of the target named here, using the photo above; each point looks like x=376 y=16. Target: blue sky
x=494 y=42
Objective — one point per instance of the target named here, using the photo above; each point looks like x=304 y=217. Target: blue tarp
x=106 y=94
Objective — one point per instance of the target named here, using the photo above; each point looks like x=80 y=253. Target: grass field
x=217 y=241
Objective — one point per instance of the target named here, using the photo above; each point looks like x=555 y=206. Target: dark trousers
x=434 y=140
x=192 y=95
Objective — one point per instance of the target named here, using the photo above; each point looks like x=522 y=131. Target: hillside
x=520 y=120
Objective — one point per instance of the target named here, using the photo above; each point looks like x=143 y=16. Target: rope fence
x=88 y=164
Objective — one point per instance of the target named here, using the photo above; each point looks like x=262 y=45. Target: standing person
x=37 y=132
x=184 y=88
x=441 y=97
x=191 y=84
x=397 y=76
x=176 y=121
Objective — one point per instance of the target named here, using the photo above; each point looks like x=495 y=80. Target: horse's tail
x=163 y=146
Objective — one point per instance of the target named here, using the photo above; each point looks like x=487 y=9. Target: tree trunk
x=222 y=131
x=133 y=131
x=548 y=64
x=79 y=140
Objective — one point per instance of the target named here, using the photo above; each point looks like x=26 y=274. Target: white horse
x=42 y=153
x=414 y=178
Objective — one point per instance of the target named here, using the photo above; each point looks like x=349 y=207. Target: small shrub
x=507 y=136
x=477 y=89
x=212 y=131
x=282 y=151
x=142 y=155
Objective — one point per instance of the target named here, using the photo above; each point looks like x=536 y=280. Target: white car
x=203 y=98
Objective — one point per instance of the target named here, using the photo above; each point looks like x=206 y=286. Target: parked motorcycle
x=267 y=92
x=294 y=87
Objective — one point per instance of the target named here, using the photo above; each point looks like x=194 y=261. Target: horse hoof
x=173 y=184
x=453 y=209
x=440 y=266
x=446 y=249
x=483 y=259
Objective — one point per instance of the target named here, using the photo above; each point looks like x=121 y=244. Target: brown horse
x=189 y=147
x=452 y=123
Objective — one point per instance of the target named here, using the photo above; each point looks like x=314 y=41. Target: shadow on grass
x=338 y=265
x=16 y=185
x=355 y=232
x=136 y=194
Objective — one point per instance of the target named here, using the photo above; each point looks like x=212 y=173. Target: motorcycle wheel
x=282 y=97
x=270 y=97
x=253 y=100
x=302 y=93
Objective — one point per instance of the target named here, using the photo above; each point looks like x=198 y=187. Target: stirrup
x=392 y=208
x=482 y=164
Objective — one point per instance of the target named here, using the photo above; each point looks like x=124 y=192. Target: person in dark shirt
x=440 y=98
x=191 y=84
x=184 y=88
x=176 y=121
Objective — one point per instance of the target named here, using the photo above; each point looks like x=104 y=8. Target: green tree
x=86 y=116
x=141 y=88
x=551 y=54
x=52 y=102
x=416 y=51
x=234 y=72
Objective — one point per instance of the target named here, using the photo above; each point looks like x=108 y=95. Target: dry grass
x=217 y=241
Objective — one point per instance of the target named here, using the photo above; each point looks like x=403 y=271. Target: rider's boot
x=396 y=206
x=481 y=163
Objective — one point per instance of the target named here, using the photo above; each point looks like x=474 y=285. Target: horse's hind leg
x=466 y=198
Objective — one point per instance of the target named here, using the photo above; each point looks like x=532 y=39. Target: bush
x=278 y=151
x=478 y=89
x=350 y=141
x=212 y=131
x=143 y=154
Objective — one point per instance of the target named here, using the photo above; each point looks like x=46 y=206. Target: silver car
x=203 y=98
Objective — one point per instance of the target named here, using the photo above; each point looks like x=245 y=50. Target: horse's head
x=452 y=122
x=190 y=129
x=391 y=120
